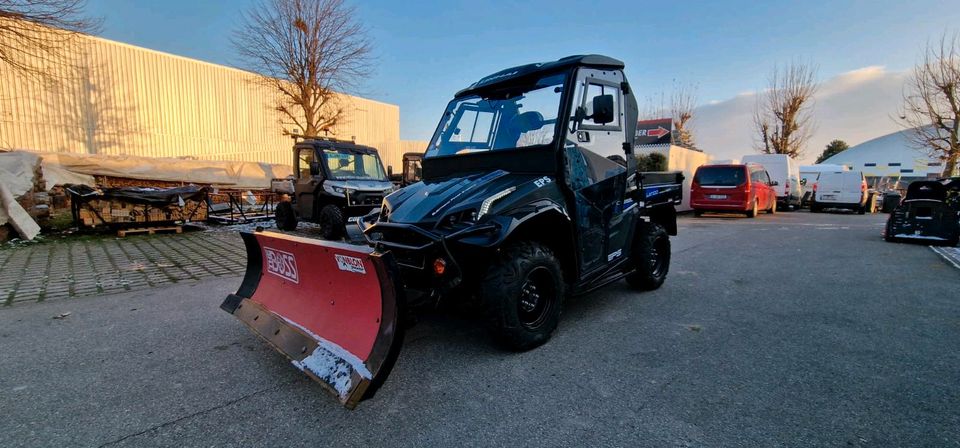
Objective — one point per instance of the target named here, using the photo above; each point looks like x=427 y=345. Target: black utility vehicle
x=530 y=193
x=930 y=213
x=333 y=179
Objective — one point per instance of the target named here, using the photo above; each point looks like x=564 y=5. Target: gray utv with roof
x=333 y=180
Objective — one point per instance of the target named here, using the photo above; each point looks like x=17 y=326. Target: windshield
x=720 y=176
x=501 y=119
x=350 y=165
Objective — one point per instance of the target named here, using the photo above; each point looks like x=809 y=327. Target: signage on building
x=654 y=132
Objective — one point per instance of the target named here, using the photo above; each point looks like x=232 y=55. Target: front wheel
x=522 y=293
x=651 y=257
x=332 y=226
x=285 y=216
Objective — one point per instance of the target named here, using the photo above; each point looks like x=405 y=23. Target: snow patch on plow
x=331 y=363
x=329 y=368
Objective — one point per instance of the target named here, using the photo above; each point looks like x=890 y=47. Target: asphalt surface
x=788 y=330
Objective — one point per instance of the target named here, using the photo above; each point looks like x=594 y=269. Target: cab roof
x=507 y=76
x=336 y=145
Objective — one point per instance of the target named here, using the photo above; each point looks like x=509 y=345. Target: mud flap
x=332 y=308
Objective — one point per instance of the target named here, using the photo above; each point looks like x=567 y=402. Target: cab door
x=308 y=174
x=596 y=169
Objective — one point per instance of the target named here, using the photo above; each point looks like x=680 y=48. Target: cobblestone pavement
x=87 y=266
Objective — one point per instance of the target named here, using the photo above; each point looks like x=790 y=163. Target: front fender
x=507 y=223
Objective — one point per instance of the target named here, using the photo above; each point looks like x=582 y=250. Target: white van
x=808 y=176
x=786 y=173
x=840 y=189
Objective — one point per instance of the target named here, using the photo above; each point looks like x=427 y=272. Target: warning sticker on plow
x=304 y=297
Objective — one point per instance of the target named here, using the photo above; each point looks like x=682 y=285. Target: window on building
x=905 y=170
x=870 y=164
x=933 y=164
x=893 y=164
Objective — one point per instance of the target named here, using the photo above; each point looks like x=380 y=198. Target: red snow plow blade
x=332 y=308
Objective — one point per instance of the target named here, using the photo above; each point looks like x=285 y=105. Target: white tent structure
x=891 y=156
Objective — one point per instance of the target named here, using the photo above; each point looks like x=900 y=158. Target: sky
x=427 y=50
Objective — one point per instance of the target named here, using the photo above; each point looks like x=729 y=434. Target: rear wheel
x=332 y=225
x=523 y=292
x=285 y=216
x=752 y=212
x=651 y=257
x=862 y=209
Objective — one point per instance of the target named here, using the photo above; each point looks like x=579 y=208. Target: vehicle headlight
x=333 y=189
x=488 y=202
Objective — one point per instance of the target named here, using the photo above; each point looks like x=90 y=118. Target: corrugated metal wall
x=130 y=100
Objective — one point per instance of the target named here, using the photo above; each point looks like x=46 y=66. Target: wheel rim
x=537 y=295
x=658 y=256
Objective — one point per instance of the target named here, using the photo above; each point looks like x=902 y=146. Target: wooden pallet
x=149 y=230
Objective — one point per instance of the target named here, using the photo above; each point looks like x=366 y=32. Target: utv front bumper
x=430 y=261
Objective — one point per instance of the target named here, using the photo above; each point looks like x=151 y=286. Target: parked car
x=808 y=177
x=784 y=171
x=740 y=188
x=840 y=190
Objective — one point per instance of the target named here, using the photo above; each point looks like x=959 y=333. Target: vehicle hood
x=360 y=185
x=426 y=202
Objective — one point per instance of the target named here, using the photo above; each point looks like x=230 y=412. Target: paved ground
x=78 y=267
x=92 y=265
x=787 y=330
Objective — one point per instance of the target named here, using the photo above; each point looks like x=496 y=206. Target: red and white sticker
x=282 y=264
x=350 y=264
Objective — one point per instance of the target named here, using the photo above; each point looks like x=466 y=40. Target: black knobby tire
x=522 y=293
x=651 y=257
x=285 y=216
x=332 y=225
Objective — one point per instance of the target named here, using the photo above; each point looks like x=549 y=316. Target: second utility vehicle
x=333 y=180
x=530 y=193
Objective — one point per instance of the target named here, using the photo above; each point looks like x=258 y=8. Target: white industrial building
x=889 y=156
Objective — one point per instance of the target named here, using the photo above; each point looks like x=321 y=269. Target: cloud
x=855 y=106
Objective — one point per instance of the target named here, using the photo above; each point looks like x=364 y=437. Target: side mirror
x=602 y=109
x=389 y=170
x=774 y=183
x=314 y=168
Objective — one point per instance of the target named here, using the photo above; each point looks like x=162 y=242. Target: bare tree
x=306 y=50
x=783 y=118
x=931 y=102
x=36 y=35
x=682 y=103
x=679 y=108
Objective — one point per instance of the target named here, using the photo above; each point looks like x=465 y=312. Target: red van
x=733 y=188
